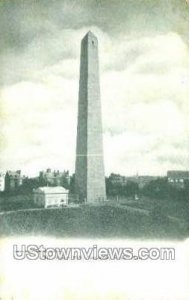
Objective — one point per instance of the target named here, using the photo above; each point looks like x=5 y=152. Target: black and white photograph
x=94 y=149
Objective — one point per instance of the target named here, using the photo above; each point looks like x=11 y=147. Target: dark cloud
x=22 y=20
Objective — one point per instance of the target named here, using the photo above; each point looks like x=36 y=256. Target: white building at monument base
x=50 y=196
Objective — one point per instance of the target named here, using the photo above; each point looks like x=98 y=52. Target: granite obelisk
x=89 y=169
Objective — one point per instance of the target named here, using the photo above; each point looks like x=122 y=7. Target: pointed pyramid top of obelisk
x=90 y=35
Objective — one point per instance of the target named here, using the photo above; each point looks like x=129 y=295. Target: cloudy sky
x=144 y=60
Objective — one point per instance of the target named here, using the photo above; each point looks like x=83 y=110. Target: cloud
x=141 y=111
x=144 y=62
x=39 y=125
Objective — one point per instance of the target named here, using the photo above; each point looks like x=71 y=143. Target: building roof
x=51 y=190
x=14 y=173
x=174 y=174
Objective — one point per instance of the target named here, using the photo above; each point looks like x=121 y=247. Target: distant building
x=142 y=180
x=13 y=180
x=117 y=179
x=2 y=182
x=50 y=196
x=54 y=178
x=178 y=178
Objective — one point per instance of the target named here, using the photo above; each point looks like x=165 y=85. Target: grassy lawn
x=90 y=222
x=171 y=207
x=15 y=202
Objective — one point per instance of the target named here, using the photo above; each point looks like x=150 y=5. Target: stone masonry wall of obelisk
x=89 y=170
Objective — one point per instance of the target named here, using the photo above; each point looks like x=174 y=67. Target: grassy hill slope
x=90 y=222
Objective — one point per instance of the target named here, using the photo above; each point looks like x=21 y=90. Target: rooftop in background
x=178 y=174
x=13 y=173
x=51 y=190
